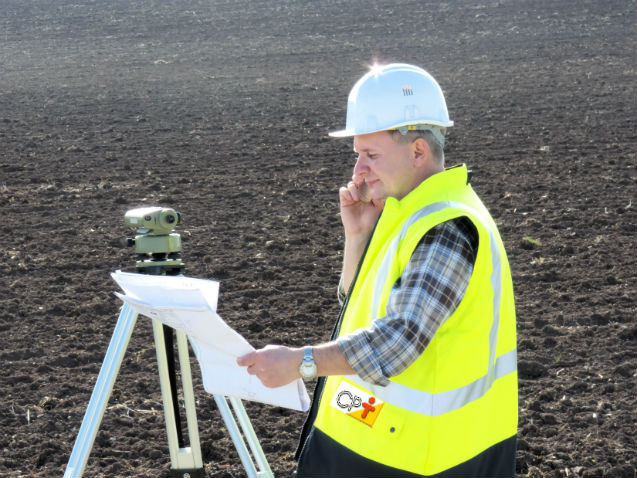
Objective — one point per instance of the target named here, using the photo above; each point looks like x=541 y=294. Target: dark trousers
x=324 y=457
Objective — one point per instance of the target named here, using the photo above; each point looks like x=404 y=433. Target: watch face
x=308 y=370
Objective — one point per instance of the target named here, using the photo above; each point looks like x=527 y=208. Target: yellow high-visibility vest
x=460 y=396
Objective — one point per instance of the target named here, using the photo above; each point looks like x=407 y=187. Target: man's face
x=386 y=166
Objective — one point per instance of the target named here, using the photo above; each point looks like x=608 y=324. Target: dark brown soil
x=220 y=110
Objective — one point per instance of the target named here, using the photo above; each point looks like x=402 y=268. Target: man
x=420 y=378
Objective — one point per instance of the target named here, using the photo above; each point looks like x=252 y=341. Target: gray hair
x=437 y=149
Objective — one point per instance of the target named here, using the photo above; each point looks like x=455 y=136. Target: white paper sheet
x=189 y=305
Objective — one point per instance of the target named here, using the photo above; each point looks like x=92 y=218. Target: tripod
x=159 y=253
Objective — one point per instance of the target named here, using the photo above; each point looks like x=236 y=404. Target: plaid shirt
x=426 y=294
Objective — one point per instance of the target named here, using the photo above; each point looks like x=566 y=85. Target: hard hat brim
x=345 y=133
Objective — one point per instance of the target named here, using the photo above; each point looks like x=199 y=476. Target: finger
x=252 y=370
x=364 y=193
x=353 y=190
x=270 y=383
x=345 y=195
x=246 y=360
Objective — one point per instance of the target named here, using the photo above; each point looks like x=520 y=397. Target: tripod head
x=157 y=247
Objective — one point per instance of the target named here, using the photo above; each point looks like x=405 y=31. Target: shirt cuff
x=340 y=292
x=361 y=357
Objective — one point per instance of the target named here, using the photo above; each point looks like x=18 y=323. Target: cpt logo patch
x=357 y=403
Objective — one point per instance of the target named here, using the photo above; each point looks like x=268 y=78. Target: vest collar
x=451 y=178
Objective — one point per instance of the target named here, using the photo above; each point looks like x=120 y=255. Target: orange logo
x=357 y=403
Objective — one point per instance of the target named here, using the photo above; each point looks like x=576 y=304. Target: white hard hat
x=395 y=96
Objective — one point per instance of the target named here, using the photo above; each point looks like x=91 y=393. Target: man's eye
x=365 y=155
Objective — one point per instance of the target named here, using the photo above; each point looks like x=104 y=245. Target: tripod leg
x=251 y=437
x=189 y=398
x=169 y=347
x=101 y=393
x=235 y=432
x=183 y=459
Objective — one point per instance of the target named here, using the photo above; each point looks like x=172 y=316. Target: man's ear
x=421 y=152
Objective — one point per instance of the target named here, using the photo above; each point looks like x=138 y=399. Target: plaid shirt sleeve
x=432 y=285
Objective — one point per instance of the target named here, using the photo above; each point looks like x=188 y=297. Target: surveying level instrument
x=158 y=251
x=158 y=248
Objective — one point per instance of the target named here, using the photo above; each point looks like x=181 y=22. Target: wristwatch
x=308 y=367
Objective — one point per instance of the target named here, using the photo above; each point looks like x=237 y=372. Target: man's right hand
x=359 y=211
x=359 y=218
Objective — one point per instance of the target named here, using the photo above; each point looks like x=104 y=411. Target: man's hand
x=359 y=217
x=275 y=365
x=359 y=211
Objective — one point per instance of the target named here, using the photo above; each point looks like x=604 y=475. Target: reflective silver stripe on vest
x=432 y=404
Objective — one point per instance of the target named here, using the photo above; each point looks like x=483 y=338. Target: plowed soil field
x=221 y=110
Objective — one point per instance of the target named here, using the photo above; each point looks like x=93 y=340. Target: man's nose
x=360 y=168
